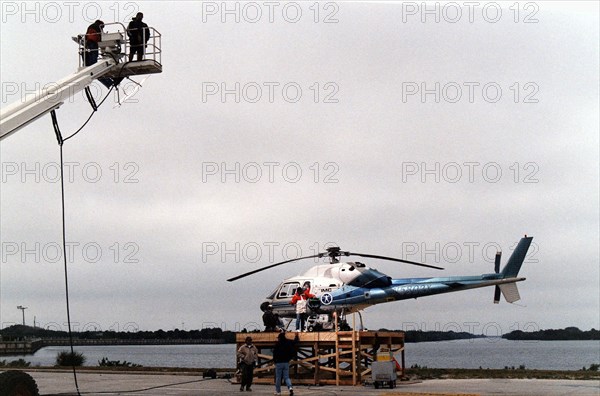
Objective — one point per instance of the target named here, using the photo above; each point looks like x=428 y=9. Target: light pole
x=22 y=308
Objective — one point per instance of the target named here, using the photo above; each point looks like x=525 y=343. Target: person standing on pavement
x=247 y=356
x=284 y=351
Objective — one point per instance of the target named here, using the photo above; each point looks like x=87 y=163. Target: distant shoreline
x=31 y=345
x=38 y=337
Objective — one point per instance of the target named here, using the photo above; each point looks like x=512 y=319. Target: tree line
x=20 y=331
x=566 y=334
x=17 y=332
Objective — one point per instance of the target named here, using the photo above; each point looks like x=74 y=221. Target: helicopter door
x=287 y=290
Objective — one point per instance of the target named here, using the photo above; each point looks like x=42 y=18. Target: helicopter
x=342 y=288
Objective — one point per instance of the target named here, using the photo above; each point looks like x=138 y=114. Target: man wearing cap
x=247 y=356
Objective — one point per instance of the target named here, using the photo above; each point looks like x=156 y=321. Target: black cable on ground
x=130 y=391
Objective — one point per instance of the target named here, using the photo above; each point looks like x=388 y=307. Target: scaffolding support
x=328 y=358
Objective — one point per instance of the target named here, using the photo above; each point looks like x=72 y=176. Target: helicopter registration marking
x=410 y=289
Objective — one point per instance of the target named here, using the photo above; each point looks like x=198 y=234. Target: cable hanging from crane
x=94 y=109
x=92 y=103
x=61 y=141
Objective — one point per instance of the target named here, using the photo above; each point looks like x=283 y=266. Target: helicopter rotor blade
x=273 y=265
x=392 y=259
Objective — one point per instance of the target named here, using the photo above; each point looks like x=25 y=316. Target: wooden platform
x=328 y=358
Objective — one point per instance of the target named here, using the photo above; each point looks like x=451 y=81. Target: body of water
x=203 y=356
x=494 y=353
x=497 y=353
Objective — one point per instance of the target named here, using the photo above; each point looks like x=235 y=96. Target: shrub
x=116 y=363
x=15 y=363
x=70 y=359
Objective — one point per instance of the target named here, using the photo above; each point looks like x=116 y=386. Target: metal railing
x=116 y=44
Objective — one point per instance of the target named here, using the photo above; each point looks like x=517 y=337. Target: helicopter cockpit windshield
x=287 y=290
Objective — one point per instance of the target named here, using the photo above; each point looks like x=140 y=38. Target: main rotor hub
x=333 y=253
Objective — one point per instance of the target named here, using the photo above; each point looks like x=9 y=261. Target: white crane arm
x=16 y=115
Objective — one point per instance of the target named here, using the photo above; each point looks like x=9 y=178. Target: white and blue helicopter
x=347 y=287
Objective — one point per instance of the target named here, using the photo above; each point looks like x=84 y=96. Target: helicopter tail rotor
x=497 y=270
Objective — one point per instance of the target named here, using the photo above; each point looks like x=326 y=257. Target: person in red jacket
x=300 y=300
x=306 y=288
x=92 y=38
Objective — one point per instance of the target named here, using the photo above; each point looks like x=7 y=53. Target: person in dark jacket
x=271 y=320
x=138 y=36
x=283 y=352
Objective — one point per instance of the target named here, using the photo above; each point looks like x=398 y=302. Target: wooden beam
x=342 y=358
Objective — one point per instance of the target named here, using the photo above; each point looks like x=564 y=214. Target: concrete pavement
x=107 y=383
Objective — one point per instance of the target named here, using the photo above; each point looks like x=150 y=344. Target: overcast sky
x=277 y=128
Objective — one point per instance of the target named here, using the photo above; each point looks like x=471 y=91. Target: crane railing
x=116 y=44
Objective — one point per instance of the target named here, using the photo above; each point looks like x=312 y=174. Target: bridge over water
x=29 y=346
